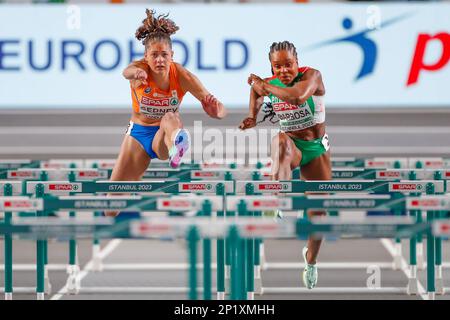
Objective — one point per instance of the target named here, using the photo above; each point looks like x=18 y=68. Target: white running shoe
x=181 y=144
x=310 y=274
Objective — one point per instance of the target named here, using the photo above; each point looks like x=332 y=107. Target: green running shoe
x=310 y=274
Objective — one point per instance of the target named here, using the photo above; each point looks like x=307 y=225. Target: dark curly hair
x=156 y=28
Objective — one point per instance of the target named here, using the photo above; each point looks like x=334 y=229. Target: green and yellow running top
x=297 y=117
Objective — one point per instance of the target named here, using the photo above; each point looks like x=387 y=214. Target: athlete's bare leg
x=133 y=160
x=317 y=169
x=285 y=157
x=130 y=164
x=163 y=140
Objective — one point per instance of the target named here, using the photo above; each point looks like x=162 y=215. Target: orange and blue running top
x=153 y=102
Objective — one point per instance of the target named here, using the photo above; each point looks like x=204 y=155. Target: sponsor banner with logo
x=55 y=187
x=263 y=186
x=187 y=203
x=23 y=174
x=385 y=163
x=394 y=55
x=413 y=186
x=205 y=187
x=428 y=203
x=258 y=203
x=25 y=204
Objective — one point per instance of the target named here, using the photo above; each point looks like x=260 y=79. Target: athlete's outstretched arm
x=310 y=83
x=255 y=104
x=136 y=73
x=189 y=82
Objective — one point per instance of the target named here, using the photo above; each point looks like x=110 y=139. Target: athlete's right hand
x=247 y=123
x=257 y=85
x=140 y=75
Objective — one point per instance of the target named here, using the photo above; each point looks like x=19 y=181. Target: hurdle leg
x=207 y=280
x=250 y=247
x=438 y=269
x=220 y=265
x=73 y=283
x=97 y=263
x=228 y=260
x=8 y=260
x=40 y=273
x=419 y=245
x=241 y=257
x=233 y=240
x=192 y=243
x=412 y=288
x=397 y=263
x=40 y=252
x=207 y=269
x=430 y=260
x=47 y=284
x=258 y=244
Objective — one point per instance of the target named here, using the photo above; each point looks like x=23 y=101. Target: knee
x=284 y=148
x=170 y=117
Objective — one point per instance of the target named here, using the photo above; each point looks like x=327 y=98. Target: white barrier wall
x=393 y=55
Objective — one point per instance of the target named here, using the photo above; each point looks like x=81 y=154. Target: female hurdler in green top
x=296 y=95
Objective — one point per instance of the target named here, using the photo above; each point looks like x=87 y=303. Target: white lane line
x=390 y=247
x=107 y=250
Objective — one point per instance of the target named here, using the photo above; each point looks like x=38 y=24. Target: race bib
x=155 y=106
x=294 y=117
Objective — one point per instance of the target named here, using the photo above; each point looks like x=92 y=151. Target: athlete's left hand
x=258 y=85
x=213 y=107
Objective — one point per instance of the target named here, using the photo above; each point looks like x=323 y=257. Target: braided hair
x=156 y=28
x=284 y=45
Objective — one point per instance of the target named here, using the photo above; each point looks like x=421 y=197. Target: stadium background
x=385 y=67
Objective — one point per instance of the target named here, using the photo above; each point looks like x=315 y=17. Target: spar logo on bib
x=173 y=101
x=283 y=106
x=155 y=102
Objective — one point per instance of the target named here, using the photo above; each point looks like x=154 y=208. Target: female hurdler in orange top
x=157 y=88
